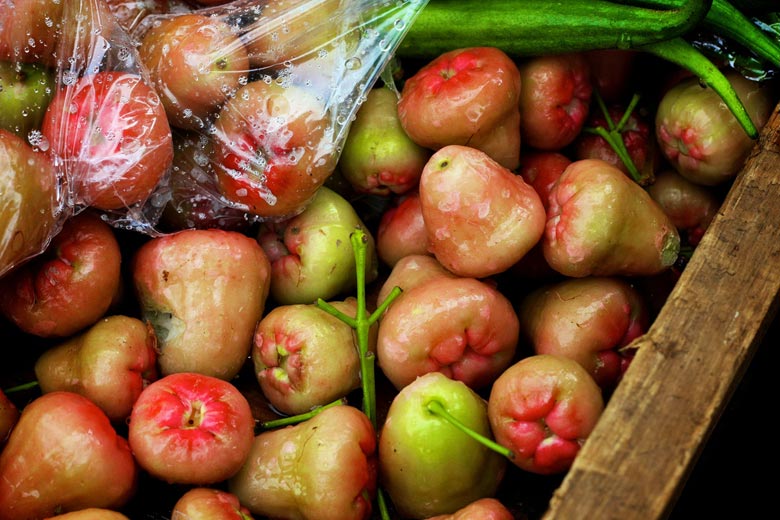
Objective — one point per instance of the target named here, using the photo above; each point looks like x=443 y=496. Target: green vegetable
x=536 y=27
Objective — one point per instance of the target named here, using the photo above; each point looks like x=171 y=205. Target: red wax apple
x=64 y=455
x=28 y=30
x=209 y=504
x=461 y=327
x=554 y=100
x=466 y=97
x=130 y=13
x=543 y=408
x=272 y=148
x=203 y=290
x=611 y=71
x=482 y=509
x=480 y=217
x=111 y=131
x=190 y=428
x=196 y=63
x=9 y=414
x=71 y=285
x=541 y=170
x=402 y=231
x=110 y=364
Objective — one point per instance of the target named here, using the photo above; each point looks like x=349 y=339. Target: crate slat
x=635 y=463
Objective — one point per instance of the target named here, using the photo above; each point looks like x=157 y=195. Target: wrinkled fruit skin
x=110 y=363
x=482 y=509
x=602 y=223
x=71 y=285
x=554 y=100
x=190 y=428
x=89 y=464
x=311 y=254
x=304 y=357
x=588 y=320
x=543 y=408
x=700 y=136
x=209 y=504
x=427 y=466
x=378 y=157
x=466 y=97
x=204 y=292
x=323 y=468
x=401 y=231
x=480 y=217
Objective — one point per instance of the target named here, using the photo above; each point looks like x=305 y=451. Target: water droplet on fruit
x=69 y=78
x=38 y=140
x=353 y=63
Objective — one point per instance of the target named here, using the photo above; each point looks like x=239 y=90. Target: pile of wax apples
x=451 y=309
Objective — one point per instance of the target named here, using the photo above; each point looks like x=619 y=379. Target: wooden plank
x=635 y=463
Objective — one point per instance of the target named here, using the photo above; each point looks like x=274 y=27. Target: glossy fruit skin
x=480 y=217
x=401 y=231
x=543 y=408
x=89 y=465
x=110 y=363
x=602 y=223
x=482 y=509
x=25 y=92
x=188 y=428
x=466 y=97
x=71 y=285
x=323 y=468
x=461 y=327
x=203 y=503
x=28 y=30
x=427 y=466
x=91 y=513
x=202 y=326
x=29 y=204
x=411 y=271
x=116 y=144
x=541 y=170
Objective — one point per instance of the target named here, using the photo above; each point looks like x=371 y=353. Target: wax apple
x=304 y=357
x=465 y=97
x=611 y=71
x=602 y=223
x=690 y=206
x=541 y=170
x=427 y=466
x=204 y=292
x=9 y=414
x=71 y=285
x=111 y=131
x=543 y=408
x=273 y=149
x=480 y=217
x=322 y=468
x=482 y=509
x=378 y=157
x=86 y=464
x=110 y=363
x=209 y=504
x=589 y=320
x=130 y=13
x=92 y=513
x=196 y=63
x=554 y=100
x=29 y=206
x=311 y=254
x=700 y=136
x=29 y=30
x=25 y=92
x=411 y=271
x=401 y=230
x=189 y=428
x=461 y=327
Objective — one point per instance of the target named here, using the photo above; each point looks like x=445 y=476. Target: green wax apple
x=427 y=465
x=25 y=92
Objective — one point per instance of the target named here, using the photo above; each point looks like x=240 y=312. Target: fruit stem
x=384 y=513
x=20 y=388
x=295 y=419
x=436 y=408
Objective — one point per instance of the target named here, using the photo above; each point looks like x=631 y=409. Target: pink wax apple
x=64 y=455
x=110 y=364
x=402 y=231
x=482 y=509
x=554 y=100
x=589 y=320
x=480 y=217
x=190 y=428
x=203 y=290
x=461 y=327
x=411 y=271
x=602 y=223
x=543 y=408
x=541 y=170
x=202 y=503
x=466 y=97
x=71 y=285
x=91 y=513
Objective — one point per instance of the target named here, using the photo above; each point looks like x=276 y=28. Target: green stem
x=295 y=419
x=384 y=513
x=21 y=388
x=436 y=408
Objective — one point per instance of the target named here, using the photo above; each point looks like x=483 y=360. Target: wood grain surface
x=636 y=461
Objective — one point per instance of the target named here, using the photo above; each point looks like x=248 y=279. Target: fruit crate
x=689 y=363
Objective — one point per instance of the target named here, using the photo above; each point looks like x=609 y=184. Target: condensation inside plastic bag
x=276 y=125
